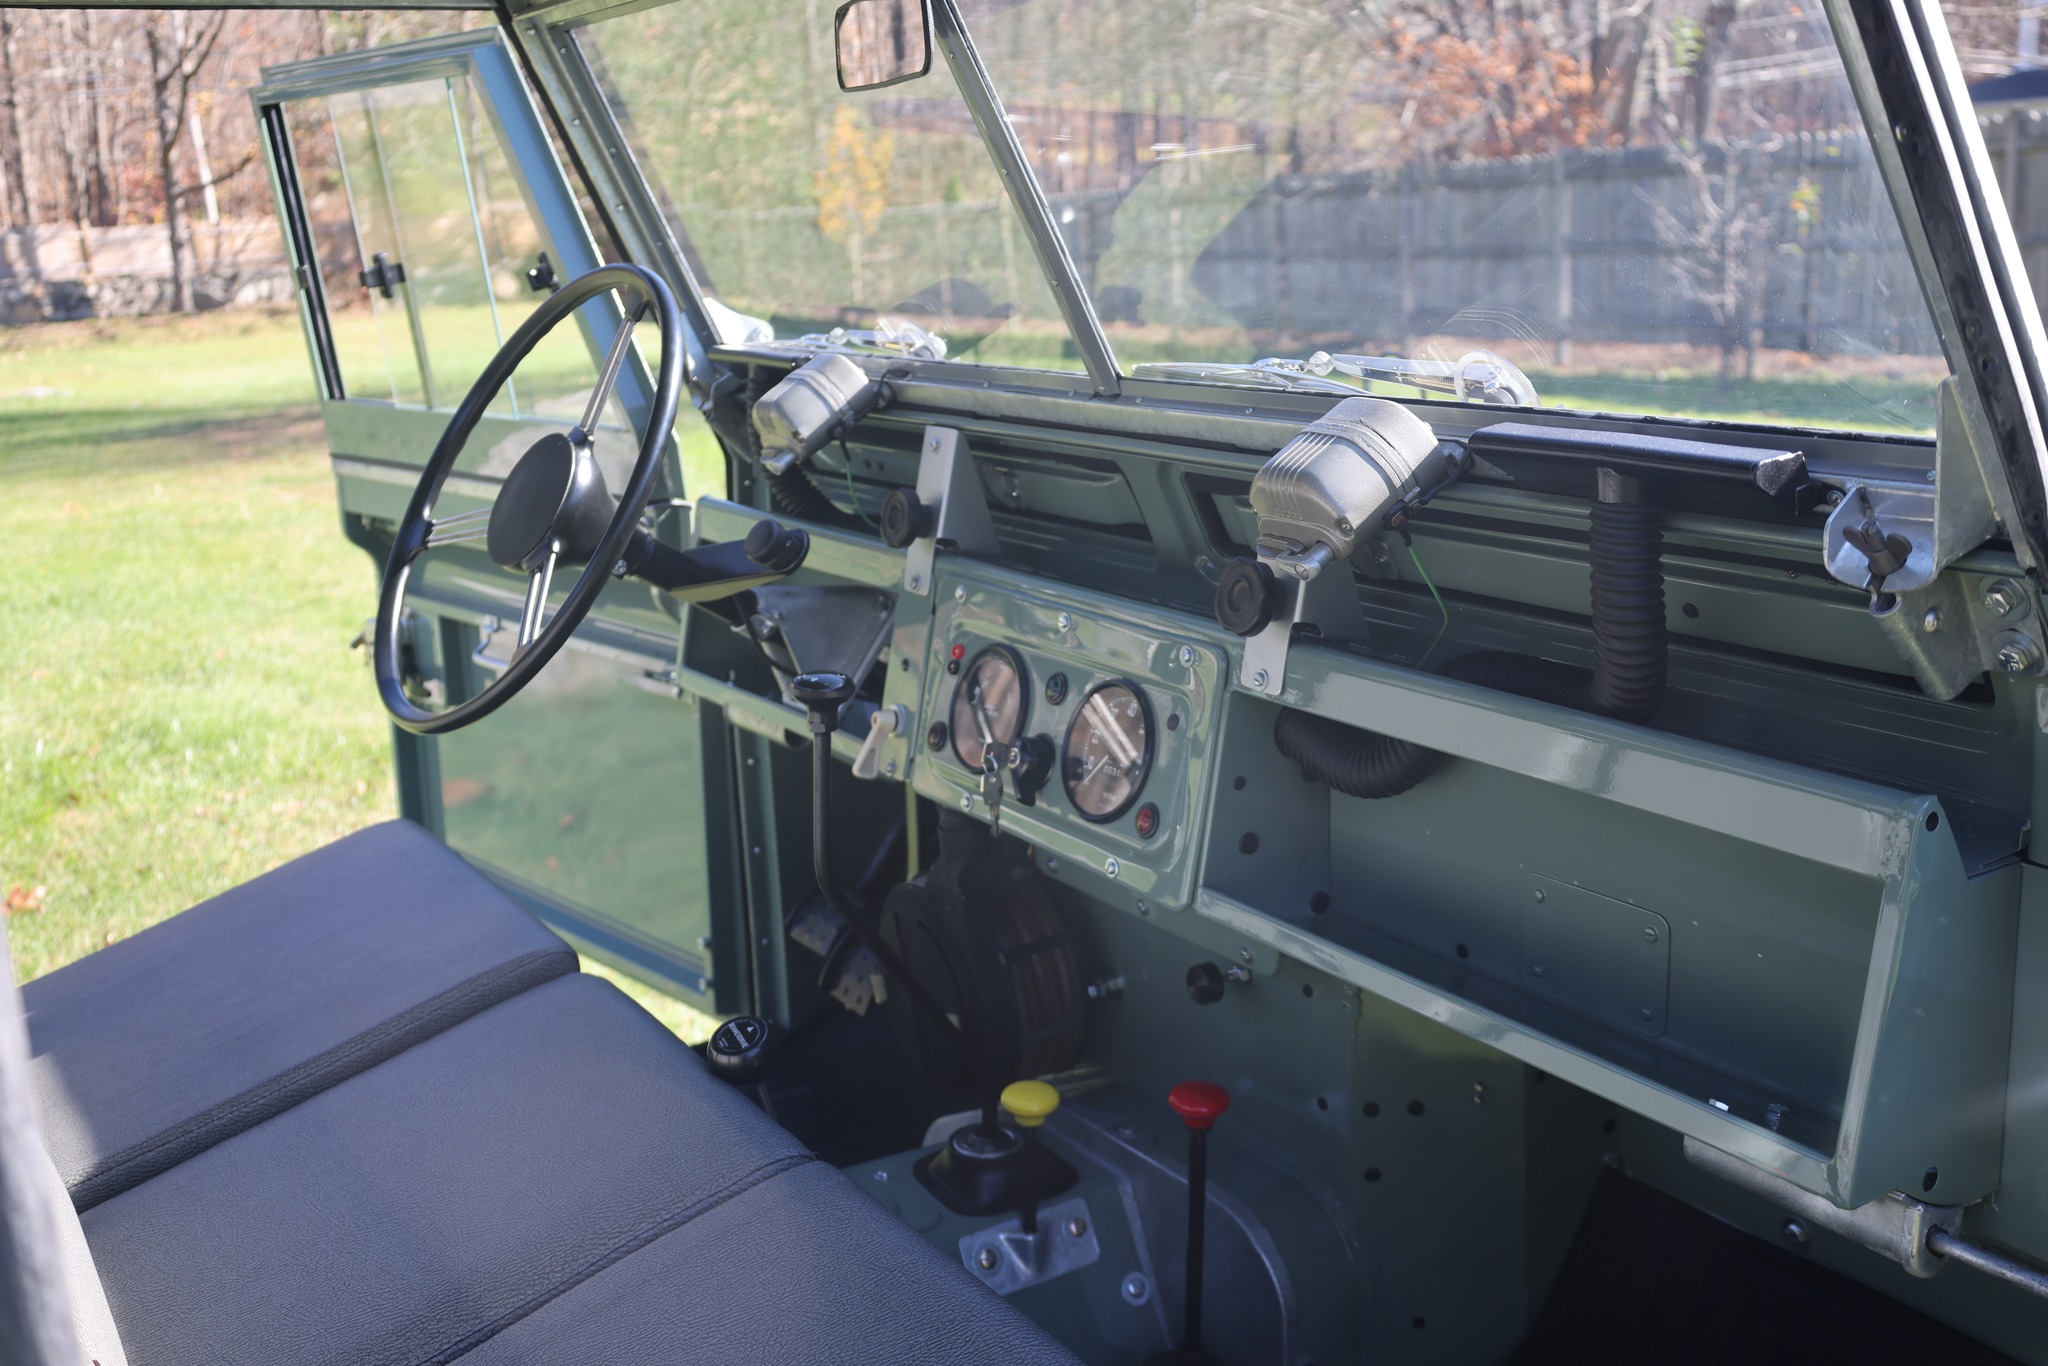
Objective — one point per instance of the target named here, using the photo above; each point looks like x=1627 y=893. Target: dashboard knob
x=743 y=1049
x=1246 y=593
x=905 y=518
x=1205 y=984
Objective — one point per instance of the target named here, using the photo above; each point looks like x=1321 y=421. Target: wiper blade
x=1475 y=377
x=888 y=334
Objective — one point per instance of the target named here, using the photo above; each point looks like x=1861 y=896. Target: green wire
x=1439 y=607
x=852 y=493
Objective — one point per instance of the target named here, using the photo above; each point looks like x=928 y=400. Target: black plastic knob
x=1246 y=594
x=822 y=696
x=743 y=1049
x=1205 y=984
x=777 y=547
x=905 y=518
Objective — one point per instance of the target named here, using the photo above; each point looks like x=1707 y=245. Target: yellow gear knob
x=1030 y=1102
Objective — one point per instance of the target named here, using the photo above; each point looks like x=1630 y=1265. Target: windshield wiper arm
x=1475 y=377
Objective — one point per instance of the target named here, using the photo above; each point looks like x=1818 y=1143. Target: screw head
x=890 y=768
x=986 y=1259
x=1479 y=1093
x=1136 y=1289
x=1259 y=678
x=1649 y=934
x=1540 y=896
x=1187 y=656
x=1112 y=867
x=2017 y=653
x=2001 y=596
x=917 y=583
x=1077 y=1227
x=1246 y=954
x=1932 y=621
x=1833 y=499
x=1052 y=865
x=960 y=593
x=1794 y=1234
x=1144 y=906
x=967 y=801
x=619 y=570
x=1066 y=621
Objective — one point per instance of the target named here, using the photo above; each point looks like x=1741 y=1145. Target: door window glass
x=808 y=208
x=430 y=272
x=1667 y=209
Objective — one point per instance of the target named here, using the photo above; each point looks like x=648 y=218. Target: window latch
x=383 y=274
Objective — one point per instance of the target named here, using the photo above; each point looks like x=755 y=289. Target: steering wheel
x=553 y=509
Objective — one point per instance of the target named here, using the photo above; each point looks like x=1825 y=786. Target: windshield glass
x=1654 y=209
x=810 y=209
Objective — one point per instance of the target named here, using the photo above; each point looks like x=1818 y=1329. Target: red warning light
x=959 y=652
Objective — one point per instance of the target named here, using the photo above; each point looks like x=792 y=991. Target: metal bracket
x=1892 y=1225
x=1961 y=626
x=809 y=629
x=1006 y=1259
x=1325 y=605
x=947 y=483
x=1942 y=523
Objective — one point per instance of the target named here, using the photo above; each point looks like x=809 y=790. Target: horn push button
x=555 y=494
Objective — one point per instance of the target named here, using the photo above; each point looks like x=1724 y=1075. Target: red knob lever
x=1199 y=1103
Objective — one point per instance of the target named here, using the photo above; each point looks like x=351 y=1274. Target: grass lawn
x=182 y=711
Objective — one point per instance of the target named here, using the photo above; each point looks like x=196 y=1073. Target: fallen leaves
x=21 y=899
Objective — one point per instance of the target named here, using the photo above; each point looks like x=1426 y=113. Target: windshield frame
x=1954 y=208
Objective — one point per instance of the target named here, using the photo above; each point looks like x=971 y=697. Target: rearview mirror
x=882 y=42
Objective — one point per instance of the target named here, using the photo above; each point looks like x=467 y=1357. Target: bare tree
x=177 y=52
x=1721 y=242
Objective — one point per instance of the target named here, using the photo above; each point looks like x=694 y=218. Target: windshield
x=1655 y=209
x=807 y=209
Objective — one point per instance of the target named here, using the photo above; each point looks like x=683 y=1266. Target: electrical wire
x=1445 y=611
x=852 y=493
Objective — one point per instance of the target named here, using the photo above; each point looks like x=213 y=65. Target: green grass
x=183 y=711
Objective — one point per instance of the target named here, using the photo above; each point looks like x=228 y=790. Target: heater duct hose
x=1630 y=654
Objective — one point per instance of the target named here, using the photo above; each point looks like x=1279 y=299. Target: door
x=427 y=215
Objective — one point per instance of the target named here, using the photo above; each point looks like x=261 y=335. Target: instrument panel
x=1091 y=730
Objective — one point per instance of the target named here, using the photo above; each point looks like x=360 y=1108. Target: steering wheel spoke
x=463 y=527
x=608 y=378
x=533 y=616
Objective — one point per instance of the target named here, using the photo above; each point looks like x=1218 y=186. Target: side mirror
x=882 y=42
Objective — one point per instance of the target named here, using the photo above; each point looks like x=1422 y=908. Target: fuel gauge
x=988 y=706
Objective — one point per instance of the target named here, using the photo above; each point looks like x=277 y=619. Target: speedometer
x=1108 y=751
x=988 y=706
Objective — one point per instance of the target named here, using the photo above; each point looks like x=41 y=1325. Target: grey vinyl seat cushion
x=555 y=1179
x=158 y=1047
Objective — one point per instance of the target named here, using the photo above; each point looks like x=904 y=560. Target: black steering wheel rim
x=413 y=528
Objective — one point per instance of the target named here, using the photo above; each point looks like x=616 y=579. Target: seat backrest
x=53 y=1311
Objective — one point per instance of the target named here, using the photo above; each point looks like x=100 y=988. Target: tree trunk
x=166 y=55
x=21 y=200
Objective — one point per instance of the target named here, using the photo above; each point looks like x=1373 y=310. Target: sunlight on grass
x=183 y=711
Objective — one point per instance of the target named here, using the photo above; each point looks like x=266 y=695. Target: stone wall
x=54 y=274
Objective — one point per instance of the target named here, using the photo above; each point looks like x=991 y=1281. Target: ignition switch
x=1030 y=763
